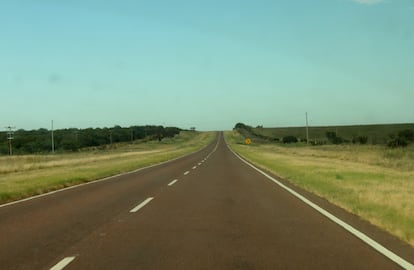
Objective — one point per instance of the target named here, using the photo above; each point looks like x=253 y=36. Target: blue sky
x=209 y=64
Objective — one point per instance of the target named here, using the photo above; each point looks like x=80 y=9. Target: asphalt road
x=208 y=210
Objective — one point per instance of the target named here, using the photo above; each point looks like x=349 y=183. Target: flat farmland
x=376 y=134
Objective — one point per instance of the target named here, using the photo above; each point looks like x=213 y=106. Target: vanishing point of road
x=207 y=210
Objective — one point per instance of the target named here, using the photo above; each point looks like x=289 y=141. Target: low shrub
x=290 y=139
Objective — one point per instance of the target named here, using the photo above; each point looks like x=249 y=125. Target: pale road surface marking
x=136 y=209
x=369 y=241
x=63 y=263
x=172 y=182
x=195 y=167
x=199 y=164
x=187 y=172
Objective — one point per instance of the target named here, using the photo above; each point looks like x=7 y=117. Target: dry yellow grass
x=373 y=182
x=23 y=176
x=33 y=162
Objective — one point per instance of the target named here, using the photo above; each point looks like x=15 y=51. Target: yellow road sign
x=248 y=141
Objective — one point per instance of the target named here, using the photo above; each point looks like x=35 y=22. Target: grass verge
x=25 y=176
x=372 y=182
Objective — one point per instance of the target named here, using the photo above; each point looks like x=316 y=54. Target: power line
x=307 y=129
x=53 y=140
x=10 y=138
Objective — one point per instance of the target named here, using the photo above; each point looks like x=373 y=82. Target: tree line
x=401 y=138
x=74 y=139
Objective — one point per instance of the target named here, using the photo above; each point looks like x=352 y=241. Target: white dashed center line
x=187 y=172
x=138 y=207
x=195 y=167
x=63 y=263
x=173 y=182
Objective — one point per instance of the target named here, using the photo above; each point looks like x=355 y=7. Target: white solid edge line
x=187 y=172
x=173 y=182
x=100 y=180
x=63 y=263
x=372 y=243
x=139 y=206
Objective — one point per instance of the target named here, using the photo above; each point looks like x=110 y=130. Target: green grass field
x=371 y=181
x=24 y=176
x=377 y=134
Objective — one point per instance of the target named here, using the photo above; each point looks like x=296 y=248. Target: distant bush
x=363 y=139
x=290 y=139
x=402 y=139
x=242 y=126
x=407 y=135
x=360 y=140
x=333 y=138
x=395 y=142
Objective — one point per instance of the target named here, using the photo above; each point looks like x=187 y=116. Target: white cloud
x=368 y=2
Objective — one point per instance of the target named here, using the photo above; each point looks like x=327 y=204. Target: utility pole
x=10 y=138
x=307 y=129
x=53 y=140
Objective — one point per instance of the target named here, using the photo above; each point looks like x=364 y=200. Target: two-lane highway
x=208 y=210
